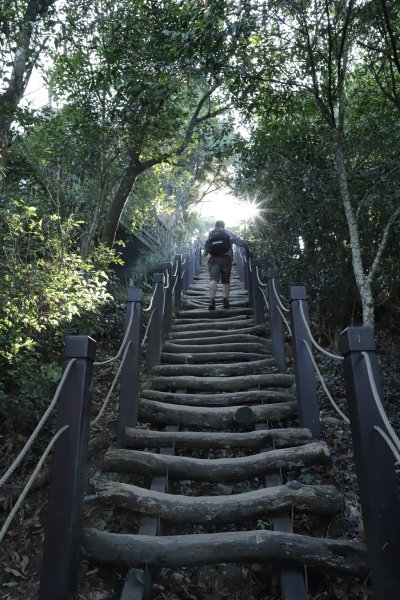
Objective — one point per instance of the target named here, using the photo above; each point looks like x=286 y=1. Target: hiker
x=219 y=250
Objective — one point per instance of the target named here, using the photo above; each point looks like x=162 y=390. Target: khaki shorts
x=220 y=268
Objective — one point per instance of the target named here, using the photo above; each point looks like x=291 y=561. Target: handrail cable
x=183 y=273
x=176 y=269
x=313 y=341
x=38 y=427
x=174 y=286
x=331 y=400
x=114 y=358
x=184 y=260
x=389 y=442
x=167 y=278
x=148 y=325
x=378 y=402
x=277 y=297
x=258 y=278
x=285 y=320
x=31 y=479
x=151 y=301
x=265 y=297
x=110 y=391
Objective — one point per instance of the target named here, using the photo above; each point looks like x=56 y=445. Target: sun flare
x=226 y=207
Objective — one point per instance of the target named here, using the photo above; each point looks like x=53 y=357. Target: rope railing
x=265 y=297
x=261 y=283
x=327 y=392
x=151 y=302
x=285 y=321
x=176 y=269
x=277 y=297
x=110 y=391
x=394 y=438
x=148 y=326
x=313 y=341
x=389 y=442
x=38 y=427
x=121 y=348
x=166 y=285
x=29 y=483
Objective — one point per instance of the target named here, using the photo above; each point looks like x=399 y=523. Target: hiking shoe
x=212 y=305
x=225 y=302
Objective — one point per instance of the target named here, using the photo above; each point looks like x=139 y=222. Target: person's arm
x=238 y=241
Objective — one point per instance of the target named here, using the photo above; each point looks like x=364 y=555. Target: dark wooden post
x=198 y=257
x=379 y=492
x=178 y=281
x=155 y=329
x=240 y=262
x=130 y=373
x=192 y=266
x=167 y=317
x=245 y=272
x=276 y=322
x=306 y=389
x=64 y=509
x=258 y=301
x=185 y=272
x=250 y=281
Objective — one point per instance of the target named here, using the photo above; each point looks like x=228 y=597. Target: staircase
x=221 y=458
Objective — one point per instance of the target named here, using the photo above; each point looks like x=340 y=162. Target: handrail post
x=239 y=262
x=276 y=322
x=250 y=282
x=185 y=272
x=191 y=259
x=245 y=273
x=258 y=302
x=155 y=329
x=178 y=282
x=130 y=373
x=64 y=509
x=306 y=389
x=377 y=482
x=198 y=257
x=167 y=317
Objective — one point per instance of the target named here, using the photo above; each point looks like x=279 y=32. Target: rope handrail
x=313 y=341
x=258 y=278
x=116 y=357
x=378 y=402
x=285 y=321
x=151 y=301
x=277 y=297
x=327 y=392
x=110 y=391
x=148 y=325
x=174 y=286
x=265 y=297
x=38 y=427
x=31 y=479
x=389 y=442
x=166 y=273
x=176 y=269
x=184 y=261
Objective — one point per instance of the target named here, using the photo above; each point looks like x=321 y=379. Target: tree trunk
x=112 y=219
x=340 y=556
x=147 y=438
x=218 y=470
x=210 y=510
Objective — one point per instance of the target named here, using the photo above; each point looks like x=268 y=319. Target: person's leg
x=225 y=278
x=214 y=271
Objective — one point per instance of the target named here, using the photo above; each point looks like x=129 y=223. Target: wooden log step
x=222 y=324
x=260 y=347
x=229 y=338
x=216 y=470
x=212 y=321
x=210 y=510
x=208 y=357
x=204 y=294
x=215 y=370
x=214 y=314
x=222 y=384
x=161 y=413
x=216 y=332
x=227 y=399
x=235 y=305
x=341 y=556
x=148 y=438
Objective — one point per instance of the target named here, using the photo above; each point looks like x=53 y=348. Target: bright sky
x=223 y=206
x=36 y=94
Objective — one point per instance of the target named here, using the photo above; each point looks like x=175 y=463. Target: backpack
x=218 y=242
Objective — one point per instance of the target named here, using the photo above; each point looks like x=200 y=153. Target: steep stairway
x=221 y=443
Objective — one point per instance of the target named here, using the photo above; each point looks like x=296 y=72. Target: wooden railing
x=376 y=446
